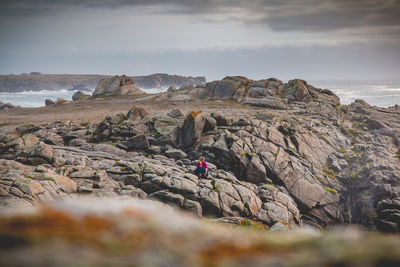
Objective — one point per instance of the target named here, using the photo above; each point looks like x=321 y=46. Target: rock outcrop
x=6 y=106
x=271 y=93
x=312 y=162
x=117 y=85
x=162 y=80
x=78 y=95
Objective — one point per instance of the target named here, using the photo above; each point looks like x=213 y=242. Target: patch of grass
x=326 y=140
x=85 y=124
x=353 y=175
x=49 y=179
x=5 y=123
x=276 y=153
x=28 y=176
x=320 y=179
x=331 y=190
x=253 y=224
x=342 y=150
x=353 y=132
x=329 y=173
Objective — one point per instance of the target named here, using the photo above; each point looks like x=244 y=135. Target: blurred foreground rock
x=144 y=233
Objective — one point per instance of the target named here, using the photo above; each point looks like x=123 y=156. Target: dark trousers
x=201 y=172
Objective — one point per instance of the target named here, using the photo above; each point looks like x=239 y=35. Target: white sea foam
x=34 y=98
x=379 y=93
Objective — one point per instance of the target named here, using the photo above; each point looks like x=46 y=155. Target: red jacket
x=204 y=165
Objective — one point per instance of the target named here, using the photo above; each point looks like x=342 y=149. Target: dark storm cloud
x=303 y=15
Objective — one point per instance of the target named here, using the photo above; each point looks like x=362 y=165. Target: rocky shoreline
x=280 y=155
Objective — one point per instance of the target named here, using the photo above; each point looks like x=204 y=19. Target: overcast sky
x=307 y=39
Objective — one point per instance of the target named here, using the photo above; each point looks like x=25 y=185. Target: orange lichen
x=135 y=214
x=219 y=252
x=55 y=223
x=195 y=113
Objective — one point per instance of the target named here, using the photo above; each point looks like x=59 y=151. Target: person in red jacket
x=202 y=170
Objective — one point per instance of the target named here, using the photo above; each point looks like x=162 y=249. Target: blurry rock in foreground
x=145 y=233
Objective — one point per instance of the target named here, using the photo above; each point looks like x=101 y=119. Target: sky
x=308 y=39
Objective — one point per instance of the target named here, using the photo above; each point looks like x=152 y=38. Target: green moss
x=342 y=150
x=28 y=176
x=276 y=153
x=269 y=187
x=331 y=190
x=83 y=96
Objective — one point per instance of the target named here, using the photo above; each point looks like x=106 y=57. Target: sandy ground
x=95 y=110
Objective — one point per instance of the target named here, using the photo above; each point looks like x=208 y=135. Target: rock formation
x=117 y=85
x=308 y=160
x=78 y=95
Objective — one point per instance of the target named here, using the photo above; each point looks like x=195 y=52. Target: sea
x=377 y=93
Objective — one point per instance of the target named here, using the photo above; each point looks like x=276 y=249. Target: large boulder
x=296 y=90
x=136 y=113
x=137 y=142
x=79 y=95
x=6 y=106
x=60 y=101
x=48 y=102
x=192 y=128
x=117 y=85
x=176 y=113
x=229 y=87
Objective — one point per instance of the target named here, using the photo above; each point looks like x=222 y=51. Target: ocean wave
x=156 y=90
x=41 y=92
